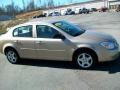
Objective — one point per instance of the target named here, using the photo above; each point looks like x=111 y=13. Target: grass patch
x=2 y=29
x=21 y=18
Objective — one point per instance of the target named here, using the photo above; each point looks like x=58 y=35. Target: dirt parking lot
x=52 y=75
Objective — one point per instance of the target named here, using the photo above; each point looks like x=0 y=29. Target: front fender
x=86 y=46
x=80 y=46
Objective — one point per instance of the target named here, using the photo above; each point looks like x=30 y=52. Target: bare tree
x=31 y=5
x=59 y=3
x=44 y=5
x=50 y=3
x=12 y=8
x=17 y=10
x=71 y=1
x=9 y=9
x=2 y=10
x=23 y=2
x=40 y=3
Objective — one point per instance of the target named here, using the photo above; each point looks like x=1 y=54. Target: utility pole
x=108 y=3
x=104 y=3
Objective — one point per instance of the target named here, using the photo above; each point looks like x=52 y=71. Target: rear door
x=23 y=37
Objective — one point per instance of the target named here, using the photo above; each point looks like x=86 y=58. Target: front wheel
x=85 y=60
x=12 y=56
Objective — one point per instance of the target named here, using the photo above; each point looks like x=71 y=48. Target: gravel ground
x=52 y=75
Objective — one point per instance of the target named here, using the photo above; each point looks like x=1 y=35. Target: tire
x=12 y=56
x=85 y=59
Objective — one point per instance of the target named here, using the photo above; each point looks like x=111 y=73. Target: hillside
x=21 y=18
x=29 y=14
x=6 y=24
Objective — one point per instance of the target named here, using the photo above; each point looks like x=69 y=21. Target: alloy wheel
x=85 y=60
x=12 y=56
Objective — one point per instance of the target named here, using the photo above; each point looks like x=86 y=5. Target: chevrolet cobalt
x=58 y=40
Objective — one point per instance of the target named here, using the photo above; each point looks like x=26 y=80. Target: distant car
x=38 y=16
x=41 y=15
x=93 y=10
x=58 y=40
x=34 y=17
x=45 y=14
x=103 y=9
x=84 y=11
x=50 y=14
x=54 y=14
x=69 y=12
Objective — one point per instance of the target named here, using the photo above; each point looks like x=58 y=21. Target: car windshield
x=69 y=28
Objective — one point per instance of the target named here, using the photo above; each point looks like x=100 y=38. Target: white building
x=112 y=4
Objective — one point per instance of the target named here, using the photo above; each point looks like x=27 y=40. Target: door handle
x=15 y=41
x=39 y=42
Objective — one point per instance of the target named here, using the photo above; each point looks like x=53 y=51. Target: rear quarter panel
x=5 y=41
x=0 y=45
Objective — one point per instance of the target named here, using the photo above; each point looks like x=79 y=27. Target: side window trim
x=16 y=29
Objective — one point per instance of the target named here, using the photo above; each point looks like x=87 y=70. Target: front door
x=47 y=46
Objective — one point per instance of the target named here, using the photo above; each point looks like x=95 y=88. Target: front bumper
x=108 y=55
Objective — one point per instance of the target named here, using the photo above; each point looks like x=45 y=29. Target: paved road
x=52 y=75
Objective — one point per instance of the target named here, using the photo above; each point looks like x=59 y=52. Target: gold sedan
x=58 y=40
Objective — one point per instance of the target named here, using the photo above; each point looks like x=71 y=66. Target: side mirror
x=59 y=36
x=62 y=37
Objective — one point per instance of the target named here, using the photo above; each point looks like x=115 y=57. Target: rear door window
x=24 y=31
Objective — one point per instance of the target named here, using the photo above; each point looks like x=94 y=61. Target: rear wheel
x=12 y=56
x=85 y=59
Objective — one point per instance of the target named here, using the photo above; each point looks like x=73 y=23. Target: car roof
x=37 y=21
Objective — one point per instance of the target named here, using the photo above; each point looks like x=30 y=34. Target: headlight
x=108 y=45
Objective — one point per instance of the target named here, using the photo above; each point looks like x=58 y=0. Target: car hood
x=91 y=36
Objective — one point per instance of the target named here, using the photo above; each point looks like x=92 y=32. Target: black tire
x=12 y=56
x=90 y=58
